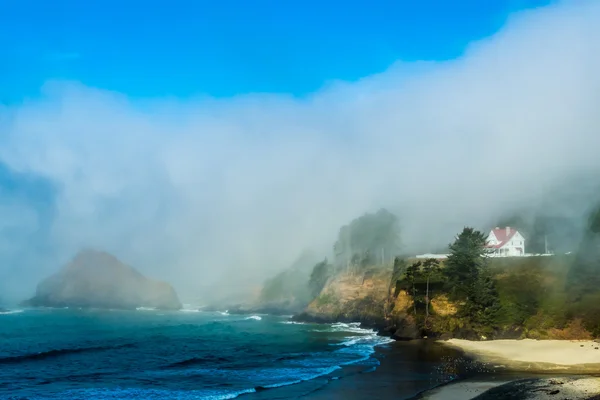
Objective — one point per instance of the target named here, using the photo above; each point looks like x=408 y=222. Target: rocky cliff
x=95 y=279
x=365 y=297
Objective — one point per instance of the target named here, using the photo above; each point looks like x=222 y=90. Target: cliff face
x=365 y=297
x=532 y=303
x=95 y=279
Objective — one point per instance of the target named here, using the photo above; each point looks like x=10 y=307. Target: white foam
x=146 y=308
x=188 y=310
x=226 y=312
x=11 y=312
x=254 y=317
x=229 y=396
x=292 y=323
x=352 y=327
x=322 y=372
x=187 y=307
x=362 y=344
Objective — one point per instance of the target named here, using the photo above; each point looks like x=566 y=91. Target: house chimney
x=507 y=230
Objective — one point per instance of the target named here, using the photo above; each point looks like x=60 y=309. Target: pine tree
x=468 y=278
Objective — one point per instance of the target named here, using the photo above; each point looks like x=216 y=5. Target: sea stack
x=96 y=279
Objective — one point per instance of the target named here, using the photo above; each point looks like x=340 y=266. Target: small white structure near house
x=430 y=255
x=505 y=242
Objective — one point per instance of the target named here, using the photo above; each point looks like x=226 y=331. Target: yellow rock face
x=350 y=292
x=402 y=303
x=440 y=305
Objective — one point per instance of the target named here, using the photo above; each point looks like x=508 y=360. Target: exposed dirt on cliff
x=366 y=297
x=354 y=296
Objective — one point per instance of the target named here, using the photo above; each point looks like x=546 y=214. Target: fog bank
x=204 y=191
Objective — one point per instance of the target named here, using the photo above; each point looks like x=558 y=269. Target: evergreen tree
x=486 y=301
x=468 y=278
x=464 y=262
x=429 y=267
x=399 y=268
x=411 y=275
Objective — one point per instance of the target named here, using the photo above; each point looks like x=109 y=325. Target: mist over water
x=218 y=194
x=57 y=354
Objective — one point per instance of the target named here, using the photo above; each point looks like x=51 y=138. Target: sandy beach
x=562 y=387
x=460 y=390
x=561 y=360
x=535 y=355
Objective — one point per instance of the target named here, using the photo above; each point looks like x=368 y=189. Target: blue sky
x=204 y=186
x=222 y=48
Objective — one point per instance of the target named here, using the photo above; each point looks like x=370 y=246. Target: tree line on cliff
x=541 y=297
x=371 y=239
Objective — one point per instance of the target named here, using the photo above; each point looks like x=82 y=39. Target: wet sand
x=405 y=369
x=445 y=371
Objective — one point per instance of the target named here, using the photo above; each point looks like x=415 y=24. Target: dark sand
x=571 y=387
x=427 y=370
x=405 y=369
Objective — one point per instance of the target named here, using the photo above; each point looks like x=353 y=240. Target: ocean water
x=149 y=354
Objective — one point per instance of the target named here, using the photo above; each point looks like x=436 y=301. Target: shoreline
x=540 y=369
x=546 y=356
x=499 y=369
x=406 y=369
x=572 y=387
x=400 y=370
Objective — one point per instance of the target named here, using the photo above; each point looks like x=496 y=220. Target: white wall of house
x=515 y=247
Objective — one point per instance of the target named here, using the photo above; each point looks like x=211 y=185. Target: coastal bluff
x=369 y=298
x=96 y=279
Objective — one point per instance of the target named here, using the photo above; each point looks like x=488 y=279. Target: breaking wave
x=8 y=312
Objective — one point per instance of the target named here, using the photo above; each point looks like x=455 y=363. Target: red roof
x=502 y=236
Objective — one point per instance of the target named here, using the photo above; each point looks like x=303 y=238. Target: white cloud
x=193 y=190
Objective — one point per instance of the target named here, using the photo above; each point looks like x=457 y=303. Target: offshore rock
x=96 y=279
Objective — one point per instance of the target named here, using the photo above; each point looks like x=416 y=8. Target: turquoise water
x=146 y=354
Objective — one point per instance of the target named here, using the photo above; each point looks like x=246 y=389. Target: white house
x=505 y=242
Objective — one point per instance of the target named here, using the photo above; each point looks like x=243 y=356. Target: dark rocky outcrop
x=95 y=279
